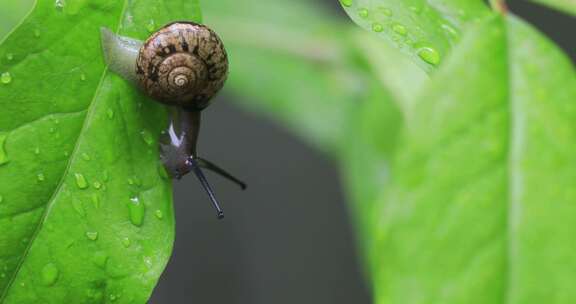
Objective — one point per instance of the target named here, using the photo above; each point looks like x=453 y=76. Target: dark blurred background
x=287 y=239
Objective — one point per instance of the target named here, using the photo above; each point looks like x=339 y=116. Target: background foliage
x=454 y=133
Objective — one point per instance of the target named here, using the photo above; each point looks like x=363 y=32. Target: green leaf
x=299 y=75
x=424 y=30
x=567 y=6
x=481 y=207
x=85 y=213
x=11 y=13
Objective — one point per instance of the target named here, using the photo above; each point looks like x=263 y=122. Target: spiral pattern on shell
x=183 y=64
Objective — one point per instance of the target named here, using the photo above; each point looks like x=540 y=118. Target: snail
x=182 y=65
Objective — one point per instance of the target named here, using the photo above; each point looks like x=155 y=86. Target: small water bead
x=60 y=4
x=105 y=175
x=429 y=55
x=37 y=33
x=82 y=76
x=399 y=29
x=113 y=297
x=126 y=242
x=66 y=153
x=377 y=27
x=148 y=262
x=147 y=137
x=92 y=235
x=52 y=130
x=346 y=3
x=49 y=274
x=9 y=56
x=110 y=113
x=37 y=150
x=40 y=177
x=450 y=30
x=363 y=13
x=385 y=11
x=136 y=209
x=97 y=185
x=80 y=181
x=3 y=154
x=159 y=214
x=130 y=181
x=86 y=157
x=6 y=78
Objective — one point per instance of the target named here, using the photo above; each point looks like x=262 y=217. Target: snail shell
x=183 y=64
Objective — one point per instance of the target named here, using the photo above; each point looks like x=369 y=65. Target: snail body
x=182 y=65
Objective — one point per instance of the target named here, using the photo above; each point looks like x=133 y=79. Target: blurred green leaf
x=11 y=13
x=426 y=30
x=85 y=214
x=481 y=204
x=299 y=75
x=567 y=6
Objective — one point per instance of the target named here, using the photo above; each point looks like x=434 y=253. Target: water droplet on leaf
x=6 y=78
x=49 y=274
x=81 y=181
x=399 y=29
x=377 y=27
x=85 y=156
x=363 y=13
x=9 y=56
x=346 y=3
x=40 y=177
x=126 y=242
x=100 y=258
x=147 y=137
x=136 y=211
x=92 y=235
x=110 y=113
x=159 y=214
x=151 y=26
x=429 y=55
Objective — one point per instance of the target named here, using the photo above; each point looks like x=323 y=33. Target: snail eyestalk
x=200 y=175
x=212 y=167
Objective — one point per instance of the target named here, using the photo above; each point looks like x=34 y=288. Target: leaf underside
x=85 y=210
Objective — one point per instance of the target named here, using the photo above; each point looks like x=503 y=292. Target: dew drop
x=37 y=150
x=97 y=185
x=151 y=25
x=148 y=262
x=346 y=3
x=6 y=78
x=385 y=11
x=9 y=56
x=147 y=137
x=37 y=33
x=130 y=181
x=60 y=4
x=82 y=76
x=77 y=205
x=40 y=177
x=363 y=13
x=429 y=55
x=399 y=29
x=126 y=242
x=86 y=157
x=92 y=235
x=105 y=175
x=3 y=155
x=159 y=214
x=100 y=259
x=66 y=153
x=113 y=297
x=110 y=113
x=52 y=130
x=81 y=181
x=377 y=27
x=49 y=274
x=136 y=211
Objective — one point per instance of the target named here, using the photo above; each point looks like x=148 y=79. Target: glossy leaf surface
x=85 y=211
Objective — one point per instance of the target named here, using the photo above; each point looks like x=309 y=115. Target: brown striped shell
x=183 y=64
